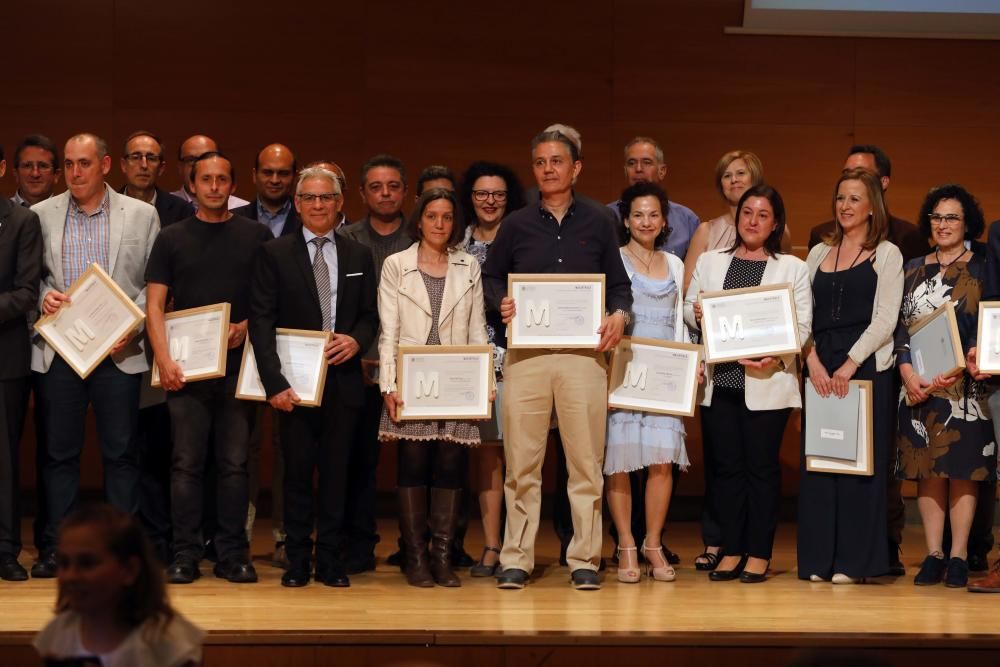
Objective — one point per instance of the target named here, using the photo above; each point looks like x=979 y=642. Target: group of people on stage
x=186 y=459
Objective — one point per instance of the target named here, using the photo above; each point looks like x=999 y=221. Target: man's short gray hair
x=318 y=172
x=646 y=140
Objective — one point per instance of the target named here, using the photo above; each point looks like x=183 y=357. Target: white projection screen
x=942 y=19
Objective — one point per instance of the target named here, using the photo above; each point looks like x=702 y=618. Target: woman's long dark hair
x=772 y=244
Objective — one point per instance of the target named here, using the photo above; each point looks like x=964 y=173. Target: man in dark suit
x=273 y=174
x=904 y=234
x=142 y=163
x=20 y=275
x=315 y=280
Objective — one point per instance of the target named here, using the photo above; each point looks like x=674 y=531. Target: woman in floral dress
x=945 y=433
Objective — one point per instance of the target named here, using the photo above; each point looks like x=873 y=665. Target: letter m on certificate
x=538 y=313
x=635 y=375
x=80 y=334
x=731 y=330
x=428 y=384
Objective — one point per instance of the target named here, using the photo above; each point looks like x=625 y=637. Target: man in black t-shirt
x=204 y=260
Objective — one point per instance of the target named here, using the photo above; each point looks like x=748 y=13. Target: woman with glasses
x=944 y=434
x=489 y=193
x=857 y=286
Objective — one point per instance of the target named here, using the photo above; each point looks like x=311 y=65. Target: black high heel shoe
x=728 y=575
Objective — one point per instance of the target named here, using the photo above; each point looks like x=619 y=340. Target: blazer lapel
x=116 y=228
x=341 y=279
x=56 y=229
x=411 y=284
x=302 y=259
x=5 y=208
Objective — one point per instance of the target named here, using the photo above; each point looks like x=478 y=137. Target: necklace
x=837 y=283
x=937 y=256
x=652 y=256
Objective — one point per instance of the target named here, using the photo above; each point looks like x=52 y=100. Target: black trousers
x=154 y=447
x=201 y=409
x=711 y=530
x=362 y=466
x=13 y=404
x=316 y=440
x=745 y=445
x=41 y=461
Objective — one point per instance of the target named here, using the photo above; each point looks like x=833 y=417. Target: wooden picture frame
x=663 y=360
x=775 y=329
x=211 y=345
x=309 y=384
x=470 y=396
x=563 y=326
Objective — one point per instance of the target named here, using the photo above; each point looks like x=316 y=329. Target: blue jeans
x=115 y=398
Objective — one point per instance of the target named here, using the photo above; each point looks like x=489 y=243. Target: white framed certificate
x=444 y=381
x=841 y=428
x=651 y=375
x=555 y=310
x=935 y=346
x=988 y=338
x=98 y=315
x=303 y=364
x=749 y=323
x=197 y=339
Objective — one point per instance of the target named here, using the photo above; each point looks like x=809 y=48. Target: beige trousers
x=576 y=383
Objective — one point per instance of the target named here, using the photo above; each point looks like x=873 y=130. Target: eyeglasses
x=150 y=158
x=42 y=167
x=945 y=220
x=326 y=197
x=483 y=195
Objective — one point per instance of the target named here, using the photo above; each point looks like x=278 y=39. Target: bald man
x=273 y=174
x=189 y=151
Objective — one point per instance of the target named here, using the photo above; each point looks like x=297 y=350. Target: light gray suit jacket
x=133 y=228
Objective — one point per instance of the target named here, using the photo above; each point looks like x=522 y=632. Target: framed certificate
x=749 y=323
x=303 y=363
x=988 y=339
x=444 y=381
x=935 y=346
x=652 y=375
x=556 y=310
x=84 y=330
x=839 y=431
x=198 y=339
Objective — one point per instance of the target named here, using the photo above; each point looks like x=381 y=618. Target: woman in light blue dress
x=638 y=440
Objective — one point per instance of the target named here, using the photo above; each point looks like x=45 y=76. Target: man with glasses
x=335 y=169
x=142 y=164
x=338 y=294
x=383 y=188
x=20 y=274
x=188 y=153
x=36 y=170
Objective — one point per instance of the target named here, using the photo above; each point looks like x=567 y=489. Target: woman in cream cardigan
x=857 y=285
x=429 y=294
x=747 y=403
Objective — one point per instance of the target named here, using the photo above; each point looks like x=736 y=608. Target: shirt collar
x=74 y=209
x=309 y=236
x=264 y=213
x=548 y=214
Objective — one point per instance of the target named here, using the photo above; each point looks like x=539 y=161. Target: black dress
x=842 y=518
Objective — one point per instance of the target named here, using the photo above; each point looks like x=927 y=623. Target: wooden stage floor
x=247 y=622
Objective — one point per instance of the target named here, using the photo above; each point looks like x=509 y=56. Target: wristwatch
x=625 y=314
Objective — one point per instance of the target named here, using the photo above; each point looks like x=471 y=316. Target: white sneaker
x=839 y=578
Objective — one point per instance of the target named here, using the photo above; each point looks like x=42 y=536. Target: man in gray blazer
x=90 y=223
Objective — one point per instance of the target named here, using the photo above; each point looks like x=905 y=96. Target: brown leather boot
x=412 y=526
x=444 y=515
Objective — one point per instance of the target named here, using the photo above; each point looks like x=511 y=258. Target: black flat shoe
x=481 y=569
x=931 y=571
x=512 y=579
x=728 y=575
x=45 y=567
x=957 y=575
x=236 y=571
x=11 y=570
x=295 y=577
x=183 y=571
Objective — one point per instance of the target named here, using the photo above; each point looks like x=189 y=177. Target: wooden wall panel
x=440 y=82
